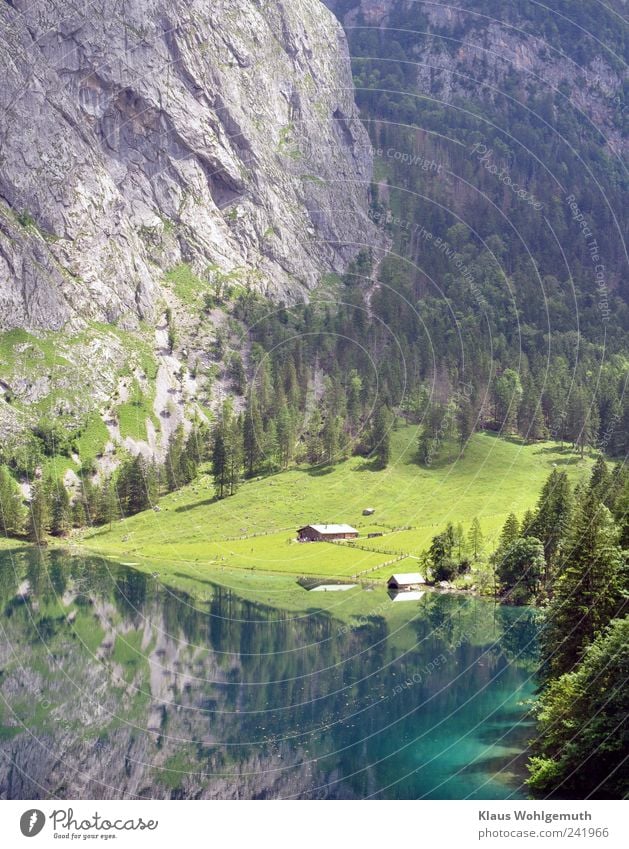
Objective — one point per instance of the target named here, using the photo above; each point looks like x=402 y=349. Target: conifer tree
x=219 y=462
x=465 y=422
x=39 y=514
x=520 y=569
x=601 y=480
x=552 y=517
x=381 y=436
x=61 y=511
x=11 y=509
x=475 y=538
x=510 y=531
x=591 y=589
x=253 y=439
x=314 y=445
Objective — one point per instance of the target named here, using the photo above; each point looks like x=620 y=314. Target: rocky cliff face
x=463 y=52
x=143 y=134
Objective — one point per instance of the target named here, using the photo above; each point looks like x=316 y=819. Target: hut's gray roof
x=407 y=578
x=331 y=529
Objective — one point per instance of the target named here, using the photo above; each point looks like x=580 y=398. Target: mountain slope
x=151 y=133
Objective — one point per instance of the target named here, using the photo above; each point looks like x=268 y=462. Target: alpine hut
x=326 y=533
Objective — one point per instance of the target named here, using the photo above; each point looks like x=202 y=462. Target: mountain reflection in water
x=112 y=686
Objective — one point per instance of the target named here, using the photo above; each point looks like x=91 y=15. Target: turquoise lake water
x=113 y=686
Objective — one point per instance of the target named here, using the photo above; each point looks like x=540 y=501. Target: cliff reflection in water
x=113 y=686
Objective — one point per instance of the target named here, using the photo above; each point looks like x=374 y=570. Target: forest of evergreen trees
x=569 y=555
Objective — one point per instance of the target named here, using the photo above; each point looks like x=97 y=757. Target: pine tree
x=39 y=516
x=234 y=455
x=135 y=486
x=431 y=434
x=530 y=414
x=465 y=422
x=61 y=511
x=582 y=420
x=520 y=569
x=509 y=534
x=79 y=516
x=270 y=446
x=331 y=437
x=354 y=400
x=253 y=439
x=589 y=592
x=314 y=444
x=552 y=517
x=601 y=480
x=108 y=510
x=507 y=398
x=11 y=509
x=173 y=461
x=227 y=454
x=381 y=436
x=219 y=462
x=285 y=436
x=510 y=531
x=475 y=538
x=526 y=526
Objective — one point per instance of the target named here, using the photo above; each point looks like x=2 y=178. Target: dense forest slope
x=499 y=137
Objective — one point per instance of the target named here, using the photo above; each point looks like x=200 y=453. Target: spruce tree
x=510 y=531
x=465 y=423
x=219 y=462
x=61 y=511
x=520 y=570
x=39 y=514
x=581 y=746
x=475 y=538
x=552 y=517
x=11 y=509
x=589 y=592
x=601 y=481
x=381 y=436
x=253 y=439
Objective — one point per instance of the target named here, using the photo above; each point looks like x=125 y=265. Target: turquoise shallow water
x=113 y=686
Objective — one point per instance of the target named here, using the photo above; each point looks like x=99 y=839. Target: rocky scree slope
x=139 y=135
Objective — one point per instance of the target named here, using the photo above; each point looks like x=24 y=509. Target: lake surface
x=114 y=686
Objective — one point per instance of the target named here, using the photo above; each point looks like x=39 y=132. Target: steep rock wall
x=137 y=135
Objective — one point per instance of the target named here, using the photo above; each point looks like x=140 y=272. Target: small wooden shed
x=405 y=581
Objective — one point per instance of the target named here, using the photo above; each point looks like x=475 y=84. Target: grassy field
x=254 y=530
